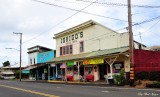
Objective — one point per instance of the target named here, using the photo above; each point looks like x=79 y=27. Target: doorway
x=82 y=70
x=102 y=71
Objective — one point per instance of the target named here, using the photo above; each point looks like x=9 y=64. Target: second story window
x=60 y=51
x=66 y=50
x=31 y=61
x=34 y=60
x=81 y=46
x=70 y=49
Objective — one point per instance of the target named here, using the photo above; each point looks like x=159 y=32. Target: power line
x=149 y=27
x=64 y=19
x=54 y=26
x=59 y=22
x=120 y=4
x=146 y=21
x=79 y=11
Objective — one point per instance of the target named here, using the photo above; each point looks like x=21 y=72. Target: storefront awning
x=94 y=54
x=30 y=67
x=25 y=71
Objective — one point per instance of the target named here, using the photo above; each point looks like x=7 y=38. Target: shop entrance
x=102 y=71
x=82 y=70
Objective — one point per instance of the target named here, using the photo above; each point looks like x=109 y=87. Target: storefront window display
x=88 y=70
x=75 y=70
x=69 y=71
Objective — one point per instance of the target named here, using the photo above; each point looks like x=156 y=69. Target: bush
x=154 y=85
x=154 y=76
x=119 y=79
x=142 y=75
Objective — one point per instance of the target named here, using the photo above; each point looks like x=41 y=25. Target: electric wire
x=58 y=22
x=56 y=25
x=79 y=11
x=120 y=4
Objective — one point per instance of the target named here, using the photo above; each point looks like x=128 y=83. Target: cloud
x=39 y=22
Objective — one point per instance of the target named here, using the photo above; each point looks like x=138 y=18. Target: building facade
x=92 y=51
x=37 y=58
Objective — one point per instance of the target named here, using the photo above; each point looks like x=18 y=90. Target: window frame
x=81 y=47
x=66 y=50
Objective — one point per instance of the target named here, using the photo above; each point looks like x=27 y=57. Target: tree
x=6 y=63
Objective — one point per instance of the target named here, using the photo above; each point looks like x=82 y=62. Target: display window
x=88 y=70
x=69 y=71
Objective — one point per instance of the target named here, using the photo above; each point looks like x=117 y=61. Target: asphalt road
x=33 y=89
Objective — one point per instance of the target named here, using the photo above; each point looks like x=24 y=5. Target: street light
x=13 y=49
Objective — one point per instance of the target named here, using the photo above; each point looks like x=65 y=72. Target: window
x=60 y=51
x=88 y=70
x=66 y=50
x=81 y=46
x=69 y=71
x=31 y=61
x=70 y=49
x=34 y=61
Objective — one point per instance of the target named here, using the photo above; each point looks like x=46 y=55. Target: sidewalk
x=70 y=82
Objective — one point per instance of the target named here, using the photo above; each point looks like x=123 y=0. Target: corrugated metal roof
x=90 y=54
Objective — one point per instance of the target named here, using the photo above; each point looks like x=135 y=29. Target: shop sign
x=73 y=37
x=70 y=63
x=53 y=65
x=93 y=61
x=63 y=65
x=45 y=56
x=118 y=66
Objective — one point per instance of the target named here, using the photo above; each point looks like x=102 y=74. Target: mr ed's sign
x=72 y=37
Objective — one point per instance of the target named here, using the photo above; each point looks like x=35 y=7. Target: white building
x=90 y=49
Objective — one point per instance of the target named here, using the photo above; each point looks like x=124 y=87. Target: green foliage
x=153 y=75
x=6 y=63
x=153 y=85
x=17 y=74
x=119 y=79
x=25 y=76
x=142 y=75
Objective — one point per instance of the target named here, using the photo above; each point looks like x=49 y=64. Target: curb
x=71 y=83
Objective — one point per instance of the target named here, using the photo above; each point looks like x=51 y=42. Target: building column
x=48 y=71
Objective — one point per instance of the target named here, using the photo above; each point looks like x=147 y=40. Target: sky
x=39 y=20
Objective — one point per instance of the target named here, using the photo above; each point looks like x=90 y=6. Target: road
x=34 y=89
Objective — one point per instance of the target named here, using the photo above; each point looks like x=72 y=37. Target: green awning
x=94 y=54
x=70 y=63
x=26 y=71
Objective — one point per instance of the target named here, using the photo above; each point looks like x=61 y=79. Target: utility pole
x=20 y=55
x=131 y=52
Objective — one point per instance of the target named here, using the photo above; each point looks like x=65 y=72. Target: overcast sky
x=39 y=22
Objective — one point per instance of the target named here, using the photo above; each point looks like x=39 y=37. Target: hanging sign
x=53 y=65
x=63 y=65
x=118 y=66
